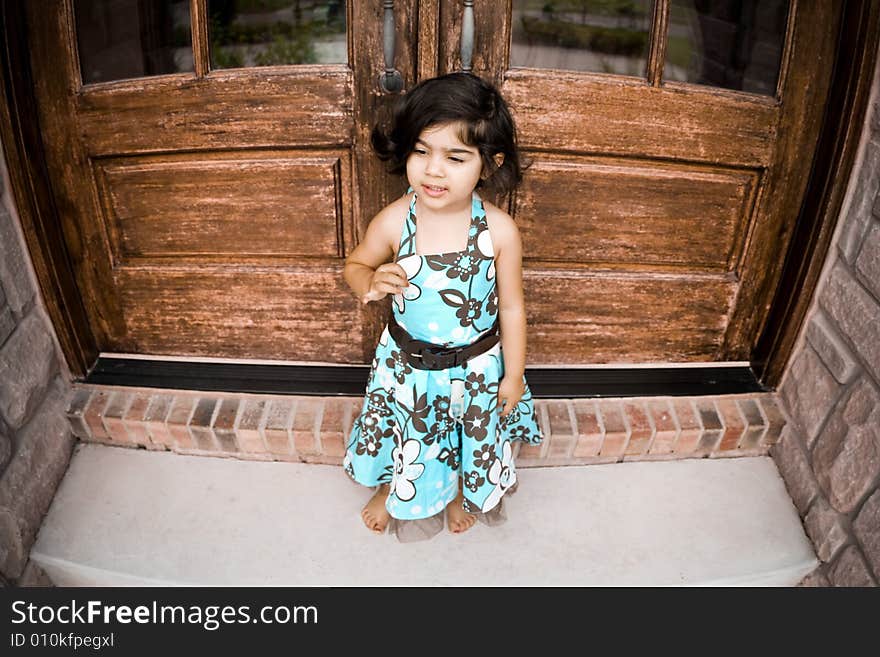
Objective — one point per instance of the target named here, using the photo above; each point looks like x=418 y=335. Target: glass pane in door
x=734 y=45
x=603 y=36
x=244 y=33
x=121 y=39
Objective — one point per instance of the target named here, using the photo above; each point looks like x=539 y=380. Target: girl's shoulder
x=390 y=219
x=502 y=227
x=394 y=211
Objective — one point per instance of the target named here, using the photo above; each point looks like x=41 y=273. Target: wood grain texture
x=614 y=115
x=429 y=38
x=491 y=38
x=243 y=108
x=592 y=317
x=656 y=218
x=56 y=80
x=229 y=207
x=31 y=189
x=808 y=58
x=374 y=187
x=241 y=312
x=198 y=11
x=659 y=42
x=630 y=214
x=843 y=121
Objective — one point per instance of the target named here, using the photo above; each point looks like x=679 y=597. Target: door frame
x=852 y=75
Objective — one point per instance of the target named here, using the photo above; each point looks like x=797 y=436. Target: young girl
x=446 y=397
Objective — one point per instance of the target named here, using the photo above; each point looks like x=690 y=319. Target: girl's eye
x=456 y=159
x=419 y=151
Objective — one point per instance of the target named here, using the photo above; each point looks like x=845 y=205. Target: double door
x=211 y=165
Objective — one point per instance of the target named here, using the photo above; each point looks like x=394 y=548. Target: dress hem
x=408 y=530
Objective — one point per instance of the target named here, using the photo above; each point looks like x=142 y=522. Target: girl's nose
x=433 y=167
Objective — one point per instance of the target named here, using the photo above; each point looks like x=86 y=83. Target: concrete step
x=135 y=517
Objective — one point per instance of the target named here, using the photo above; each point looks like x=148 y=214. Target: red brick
x=277 y=429
x=334 y=419
x=641 y=430
x=755 y=425
x=306 y=415
x=560 y=447
x=200 y=424
x=542 y=419
x=689 y=425
x=356 y=404
x=354 y=408
x=134 y=420
x=251 y=414
x=113 y=415
x=224 y=424
x=775 y=419
x=94 y=414
x=75 y=413
x=178 y=421
x=534 y=454
x=529 y=452
x=589 y=430
x=665 y=429
x=616 y=432
x=734 y=425
x=559 y=418
x=154 y=419
x=712 y=427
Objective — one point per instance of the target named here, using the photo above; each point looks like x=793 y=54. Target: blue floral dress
x=420 y=430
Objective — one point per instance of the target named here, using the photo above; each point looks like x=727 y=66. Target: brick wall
x=314 y=429
x=829 y=451
x=35 y=439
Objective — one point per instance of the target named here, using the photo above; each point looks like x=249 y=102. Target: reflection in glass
x=276 y=32
x=121 y=39
x=735 y=45
x=604 y=36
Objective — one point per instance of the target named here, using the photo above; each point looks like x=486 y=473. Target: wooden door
x=209 y=196
x=671 y=145
x=211 y=166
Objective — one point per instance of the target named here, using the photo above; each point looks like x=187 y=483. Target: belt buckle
x=429 y=359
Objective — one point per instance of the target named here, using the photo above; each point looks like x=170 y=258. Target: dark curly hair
x=488 y=126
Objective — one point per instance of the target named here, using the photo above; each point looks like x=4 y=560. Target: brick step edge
x=314 y=429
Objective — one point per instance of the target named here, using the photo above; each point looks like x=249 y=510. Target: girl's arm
x=511 y=306
x=367 y=270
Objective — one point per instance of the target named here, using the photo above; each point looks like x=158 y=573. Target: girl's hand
x=389 y=278
x=510 y=391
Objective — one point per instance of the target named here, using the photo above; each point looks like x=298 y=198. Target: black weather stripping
x=351 y=380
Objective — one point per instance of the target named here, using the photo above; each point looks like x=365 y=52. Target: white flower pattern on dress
x=406 y=470
x=502 y=475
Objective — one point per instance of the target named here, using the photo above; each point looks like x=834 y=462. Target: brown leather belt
x=429 y=356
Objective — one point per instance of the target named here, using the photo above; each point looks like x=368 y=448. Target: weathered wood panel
x=625 y=214
x=597 y=317
x=55 y=73
x=230 y=207
x=615 y=115
x=804 y=90
x=645 y=207
x=244 y=108
x=375 y=188
x=290 y=313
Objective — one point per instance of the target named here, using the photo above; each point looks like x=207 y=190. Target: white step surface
x=133 y=517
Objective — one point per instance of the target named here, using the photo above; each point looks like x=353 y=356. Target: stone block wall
x=35 y=438
x=829 y=451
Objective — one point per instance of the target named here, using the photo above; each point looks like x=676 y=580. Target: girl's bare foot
x=457 y=518
x=374 y=514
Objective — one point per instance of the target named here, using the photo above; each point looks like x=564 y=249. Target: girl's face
x=443 y=170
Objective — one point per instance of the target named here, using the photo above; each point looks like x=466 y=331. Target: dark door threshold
x=351 y=380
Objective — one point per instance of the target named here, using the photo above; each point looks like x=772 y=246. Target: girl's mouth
x=431 y=190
